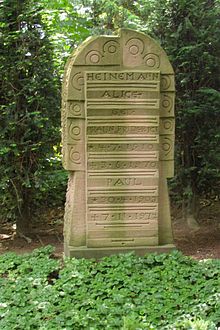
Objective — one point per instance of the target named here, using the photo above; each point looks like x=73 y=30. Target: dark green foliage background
x=36 y=39
x=30 y=112
x=189 y=31
x=167 y=291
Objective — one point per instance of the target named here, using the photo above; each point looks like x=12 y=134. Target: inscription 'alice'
x=122 y=94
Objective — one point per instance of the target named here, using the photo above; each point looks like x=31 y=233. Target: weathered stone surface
x=118 y=145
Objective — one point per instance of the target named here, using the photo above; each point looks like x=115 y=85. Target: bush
x=29 y=108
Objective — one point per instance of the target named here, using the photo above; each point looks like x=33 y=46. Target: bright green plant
x=68 y=26
x=167 y=291
x=196 y=324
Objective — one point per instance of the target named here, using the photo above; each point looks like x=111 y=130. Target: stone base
x=103 y=252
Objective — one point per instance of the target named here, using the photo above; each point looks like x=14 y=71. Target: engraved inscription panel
x=122 y=133
x=118 y=144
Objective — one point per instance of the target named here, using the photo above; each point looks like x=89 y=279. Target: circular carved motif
x=168 y=124
x=135 y=46
x=74 y=156
x=152 y=60
x=165 y=82
x=78 y=81
x=93 y=57
x=74 y=131
x=75 y=109
x=167 y=103
x=166 y=146
x=134 y=50
x=110 y=46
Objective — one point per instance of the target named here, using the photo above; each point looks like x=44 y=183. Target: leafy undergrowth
x=126 y=292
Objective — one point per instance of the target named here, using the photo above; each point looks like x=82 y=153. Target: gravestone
x=118 y=146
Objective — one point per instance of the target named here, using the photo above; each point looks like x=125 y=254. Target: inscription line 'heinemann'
x=122 y=75
x=120 y=83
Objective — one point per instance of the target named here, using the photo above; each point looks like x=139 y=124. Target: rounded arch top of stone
x=129 y=50
x=140 y=50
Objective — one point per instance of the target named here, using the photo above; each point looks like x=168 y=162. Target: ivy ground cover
x=126 y=292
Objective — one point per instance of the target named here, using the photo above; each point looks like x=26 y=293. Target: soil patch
x=203 y=243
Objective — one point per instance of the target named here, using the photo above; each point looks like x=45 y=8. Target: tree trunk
x=191 y=212
x=24 y=213
x=23 y=223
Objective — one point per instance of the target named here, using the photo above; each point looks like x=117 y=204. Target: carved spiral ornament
x=166 y=146
x=74 y=131
x=110 y=46
x=135 y=46
x=167 y=102
x=165 y=82
x=93 y=57
x=78 y=81
x=152 y=60
x=168 y=125
x=74 y=156
x=75 y=109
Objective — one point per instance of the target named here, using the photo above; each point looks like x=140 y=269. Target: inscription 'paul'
x=124 y=182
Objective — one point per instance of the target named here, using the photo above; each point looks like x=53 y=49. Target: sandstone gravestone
x=118 y=146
